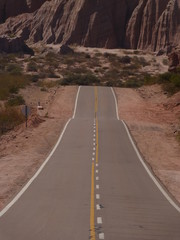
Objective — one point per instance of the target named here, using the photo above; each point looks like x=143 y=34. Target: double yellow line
x=92 y=210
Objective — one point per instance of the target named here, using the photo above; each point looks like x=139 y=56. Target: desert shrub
x=78 y=79
x=32 y=66
x=14 y=69
x=169 y=81
x=9 y=118
x=125 y=59
x=149 y=80
x=116 y=83
x=136 y=52
x=10 y=84
x=5 y=59
x=33 y=78
x=52 y=59
x=47 y=84
x=131 y=68
x=16 y=101
x=51 y=73
x=165 y=61
x=133 y=83
x=111 y=75
x=172 y=85
x=140 y=61
x=87 y=56
x=178 y=70
x=80 y=70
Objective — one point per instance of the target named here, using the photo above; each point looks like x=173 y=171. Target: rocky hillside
x=144 y=24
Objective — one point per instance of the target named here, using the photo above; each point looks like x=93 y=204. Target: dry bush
x=9 y=118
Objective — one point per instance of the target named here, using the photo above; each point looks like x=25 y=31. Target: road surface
x=93 y=186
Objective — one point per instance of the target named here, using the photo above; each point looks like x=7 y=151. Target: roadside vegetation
x=12 y=80
x=170 y=81
x=10 y=117
x=49 y=69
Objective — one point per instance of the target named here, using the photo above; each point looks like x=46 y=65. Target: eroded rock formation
x=154 y=24
x=174 y=61
x=10 y=8
x=14 y=45
x=144 y=24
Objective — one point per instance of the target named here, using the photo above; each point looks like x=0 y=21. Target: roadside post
x=26 y=111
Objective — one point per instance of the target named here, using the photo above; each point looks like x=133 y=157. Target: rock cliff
x=154 y=24
x=144 y=24
x=10 y=8
x=14 y=45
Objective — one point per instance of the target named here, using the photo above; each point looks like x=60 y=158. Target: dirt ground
x=154 y=119
x=22 y=150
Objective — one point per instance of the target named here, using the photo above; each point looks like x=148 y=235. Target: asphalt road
x=93 y=186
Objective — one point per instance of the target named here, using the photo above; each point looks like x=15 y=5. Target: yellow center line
x=92 y=210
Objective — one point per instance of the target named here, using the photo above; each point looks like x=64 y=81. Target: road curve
x=93 y=186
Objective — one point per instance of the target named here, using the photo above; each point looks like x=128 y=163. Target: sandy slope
x=23 y=150
x=153 y=119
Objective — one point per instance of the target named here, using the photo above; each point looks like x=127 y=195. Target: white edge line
x=75 y=107
x=42 y=166
x=35 y=175
x=115 y=99
x=149 y=172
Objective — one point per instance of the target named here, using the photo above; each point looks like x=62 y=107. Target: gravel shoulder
x=22 y=150
x=153 y=119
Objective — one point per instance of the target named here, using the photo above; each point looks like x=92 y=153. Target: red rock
x=154 y=25
x=174 y=61
x=10 y=8
x=14 y=45
x=144 y=24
